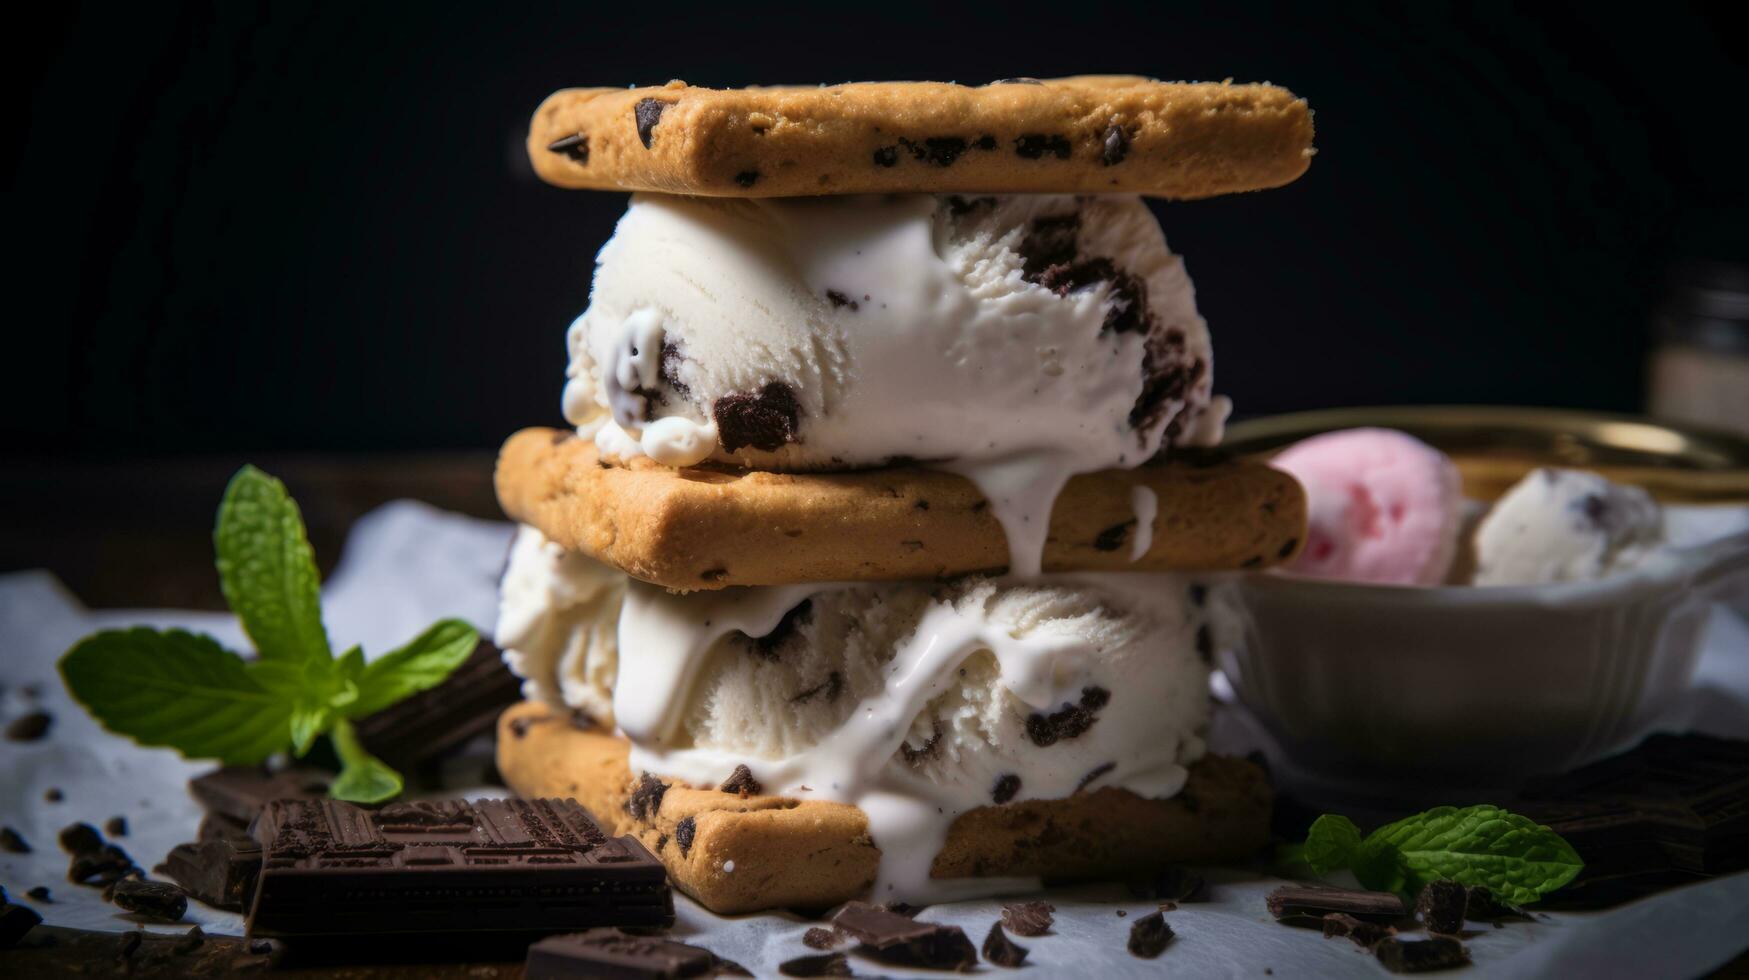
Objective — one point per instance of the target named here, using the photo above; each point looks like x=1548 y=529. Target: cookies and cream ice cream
x=916 y=701
x=1559 y=525
x=1018 y=340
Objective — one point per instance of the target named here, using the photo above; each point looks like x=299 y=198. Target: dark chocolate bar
x=417 y=731
x=238 y=793
x=449 y=868
x=1673 y=811
x=608 y=954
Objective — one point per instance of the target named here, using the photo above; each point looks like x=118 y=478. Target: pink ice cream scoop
x=1384 y=507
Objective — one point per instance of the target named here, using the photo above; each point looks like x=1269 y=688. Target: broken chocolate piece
x=1316 y=901
x=152 y=899
x=646 y=797
x=999 y=950
x=741 y=781
x=612 y=953
x=898 y=940
x=764 y=420
x=116 y=827
x=452 y=868
x=1364 y=934
x=15 y=921
x=820 y=938
x=1070 y=721
x=416 y=732
x=1149 y=936
x=1172 y=884
x=30 y=727
x=80 y=838
x=1028 y=918
x=1424 y=956
x=647 y=113
x=1441 y=907
x=220 y=873
x=818 y=965
x=239 y=792
x=13 y=841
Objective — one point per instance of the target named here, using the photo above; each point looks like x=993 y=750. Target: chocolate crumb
x=1112 y=538
x=41 y=894
x=1425 y=956
x=80 y=838
x=1006 y=786
x=575 y=146
x=999 y=950
x=190 y=941
x=765 y=419
x=1093 y=774
x=29 y=728
x=1070 y=721
x=747 y=178
x=152 y=899
x=53 y=795
x=821 y=938
x=1149 y=936
x=116 y=827
x=13 y=841
x=647 y=113
x=886 y=156
x=1034 y=146
x=1028 y=918
x=683 y=834
x=819 y=965
x=741 y=781
x=838 y=299
x=646 y=797
x=1440 y=907
x=1115 y=146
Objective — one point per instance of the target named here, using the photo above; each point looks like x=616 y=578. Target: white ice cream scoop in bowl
x=1477 y=687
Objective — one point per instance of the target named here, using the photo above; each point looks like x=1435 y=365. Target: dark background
x=245 y=227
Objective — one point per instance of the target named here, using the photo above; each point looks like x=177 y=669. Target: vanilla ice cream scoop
x=1018 y=340
x=1559 y=525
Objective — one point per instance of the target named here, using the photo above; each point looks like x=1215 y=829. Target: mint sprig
x=184 y=691
x=1512 y=856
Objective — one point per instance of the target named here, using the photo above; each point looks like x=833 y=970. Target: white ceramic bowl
x=1365 y=686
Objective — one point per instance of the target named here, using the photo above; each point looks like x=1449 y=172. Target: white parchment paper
x=407 y=564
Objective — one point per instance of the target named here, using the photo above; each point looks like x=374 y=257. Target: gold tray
x=1495 y=446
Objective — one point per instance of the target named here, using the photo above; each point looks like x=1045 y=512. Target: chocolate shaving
x=646 y=797
x=999 y=950
x=741 y=781
x=1149 y=936
x=1070 y=721
x=1292 y=901
x=1028 y=918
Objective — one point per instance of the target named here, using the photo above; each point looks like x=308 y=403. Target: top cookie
x=1086 y=134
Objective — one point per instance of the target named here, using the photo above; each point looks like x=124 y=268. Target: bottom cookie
x=742 y=852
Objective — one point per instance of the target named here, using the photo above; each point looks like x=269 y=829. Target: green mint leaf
x=1332 y=843
x=1514 y=857
x=267 y=570
x=363 y=777
x=308 y=720
x=421 y=664
x=177 y=689
x=347 y=671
